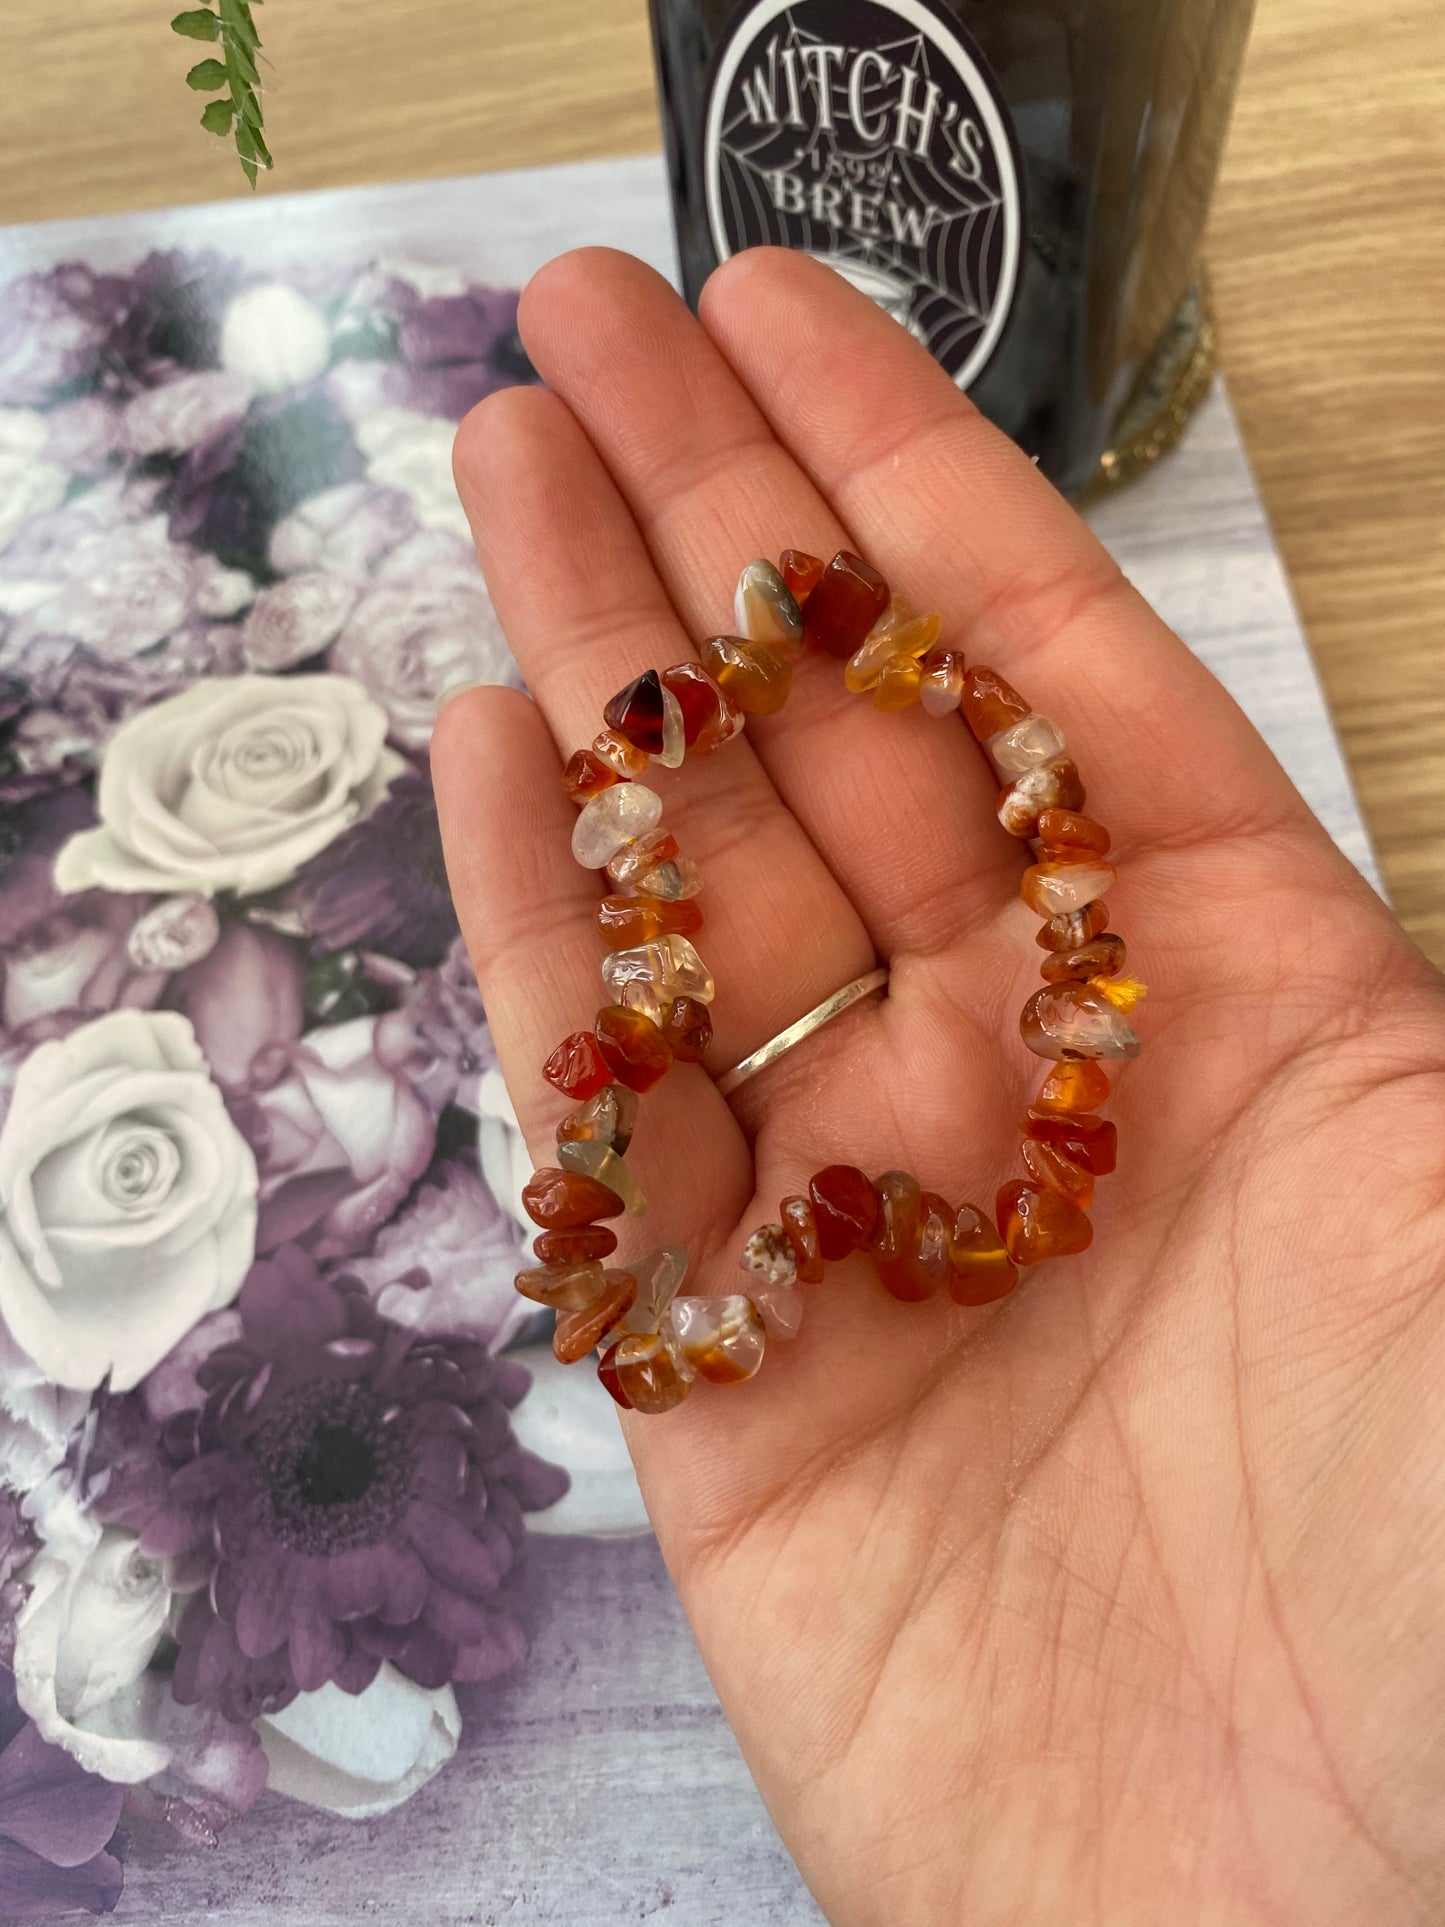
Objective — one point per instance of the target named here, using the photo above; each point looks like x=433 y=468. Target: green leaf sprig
x=234 y=77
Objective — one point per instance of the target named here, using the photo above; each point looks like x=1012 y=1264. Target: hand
x=1118 y=1601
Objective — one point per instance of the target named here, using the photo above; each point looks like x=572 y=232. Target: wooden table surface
x=1326 y=250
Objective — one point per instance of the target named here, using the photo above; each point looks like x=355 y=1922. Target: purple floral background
x=261 y=1495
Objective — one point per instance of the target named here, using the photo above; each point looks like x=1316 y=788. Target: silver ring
x=778 y=1046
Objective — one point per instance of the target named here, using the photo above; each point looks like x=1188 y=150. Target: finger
x=525 y=910
x=584 y=612
x=896 y=805
x=934 y=493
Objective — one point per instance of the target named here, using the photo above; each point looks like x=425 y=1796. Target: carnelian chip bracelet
x=655 y=1340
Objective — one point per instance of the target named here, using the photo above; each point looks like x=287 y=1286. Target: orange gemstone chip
x=628 y=921
x=980 y=1267
x=1048 y=1166
x=1075 y=1020
x=578 y=1331
x=708 y=719
x=565 y=1200
x=1065 y=883
x=641 y=1373
x=1031 y=795
x=1036 y=1224
x=688 y=1029
x=635 y=712
x=750 y=674
x=633 y=1048
x=1092 y=1142
x=988 y=703
x=900 y=1200
x=1074 y=928
x=576 y=1067
x=802 y=1230
x=1066 y=829
x=801 y=572
x=587 y=776
x=575 y=1247
x=1077 y=1084
x=1104 y=957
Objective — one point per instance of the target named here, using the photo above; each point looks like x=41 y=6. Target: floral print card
x=324 y=1595
x=269 y=1451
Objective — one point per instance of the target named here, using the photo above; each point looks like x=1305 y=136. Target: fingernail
x=457 y=689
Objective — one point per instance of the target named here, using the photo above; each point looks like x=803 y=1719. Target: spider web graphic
x=933 y=251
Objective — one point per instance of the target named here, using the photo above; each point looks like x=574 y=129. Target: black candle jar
x=1022 y=183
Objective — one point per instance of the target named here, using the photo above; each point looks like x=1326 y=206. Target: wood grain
x=1325 y=251
x=597 y=1786
x=1327 y=262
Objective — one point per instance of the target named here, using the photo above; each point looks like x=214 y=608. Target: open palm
x=1119 y=1600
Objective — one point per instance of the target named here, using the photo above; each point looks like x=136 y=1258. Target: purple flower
x=418 y=633
x=447 y=1261
x=126 y=592
x=77 y=960
x=243 y=997
x=295 y=619
x=60 y=1851
x=382 y=885
x=452 y=350
x=54 y=328
x=472 y=331
x=84 y=435
x=178 y=415
x=349 y=1493
x=87 y=593
x=62 y=953
x=340 y=1134
x=44 y=548
x=439 y=1033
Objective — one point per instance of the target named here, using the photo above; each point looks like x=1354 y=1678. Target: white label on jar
x=871 y=134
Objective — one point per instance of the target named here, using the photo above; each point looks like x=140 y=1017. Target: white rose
x=130 y=588
x=94 y=1614
x=413 y=453
x=127 y=1199
x=28 y=485
x=181 y=413
x=295 y=619
x=361 y=1754
x=274 y=338
x=231 y=785
x=409 y=645
x=569 y=1419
